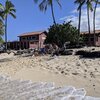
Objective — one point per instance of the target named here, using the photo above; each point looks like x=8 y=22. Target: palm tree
x=8 y=10
x=1 y=30
x=1 y=21
x=45 y=3
x=80 y=3
x=1 y=27
x=89 y=8
x=94 y=17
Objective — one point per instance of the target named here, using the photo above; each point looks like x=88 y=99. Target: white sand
x=64 y=70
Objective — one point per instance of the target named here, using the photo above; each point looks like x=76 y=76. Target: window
x=35 y=37
x=34 y=43
x=23 y=38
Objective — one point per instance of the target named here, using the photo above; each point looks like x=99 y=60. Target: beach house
x=97 y=38
x=29 y=40
x=32 y=40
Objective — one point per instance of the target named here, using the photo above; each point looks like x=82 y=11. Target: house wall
x=98 y=41
x=34 y=41
x=86 y=37
x=34 y=44
x=42 y=38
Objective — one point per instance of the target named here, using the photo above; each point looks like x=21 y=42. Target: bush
x=61 y=33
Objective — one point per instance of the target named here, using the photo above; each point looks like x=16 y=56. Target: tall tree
x=1 y=27
x=1 y=15
x=62 y=33
x=1 y=30
x=8 y=10
x=89 y=8
x=1 y=23
x=45 y=3
x=94 y=18
x=80 y=4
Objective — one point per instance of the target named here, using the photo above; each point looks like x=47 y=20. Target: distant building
x=86 y=37
x=29 y=40
x=13 y=45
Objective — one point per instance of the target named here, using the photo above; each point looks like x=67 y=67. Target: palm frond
x=36 y=1
x=1 y=7
x=13 y=15
x=12 y=9
x=9 y=9
x=58 y=3
x=89 y=5
x=43 y=5
x=80 y=3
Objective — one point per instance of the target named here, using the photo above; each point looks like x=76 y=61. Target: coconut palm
x=1 y=21
x=89 y=8
x=1 y=27
x=45 y=3
x=8 y=9
x=94 y=20
x=80 y=4
x=94 y=17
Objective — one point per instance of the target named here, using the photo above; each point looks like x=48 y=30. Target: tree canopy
x=61 y=33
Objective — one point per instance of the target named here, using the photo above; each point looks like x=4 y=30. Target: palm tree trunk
x=88 y=17
x=94 y=22
x=79 y=24
x=54 y=21
x=6 y=33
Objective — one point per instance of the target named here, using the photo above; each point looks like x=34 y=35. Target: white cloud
x=74 y=19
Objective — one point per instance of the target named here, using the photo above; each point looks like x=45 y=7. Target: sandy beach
x=63 y=70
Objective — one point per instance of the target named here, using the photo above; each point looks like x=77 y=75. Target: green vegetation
x=1 y=24
x=7 y=9
x=1 y=31
x=61 y=33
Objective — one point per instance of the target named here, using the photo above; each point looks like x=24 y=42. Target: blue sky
x=29 y=18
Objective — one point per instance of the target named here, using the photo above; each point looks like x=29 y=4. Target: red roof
x=31 y=33
x=96 y=31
